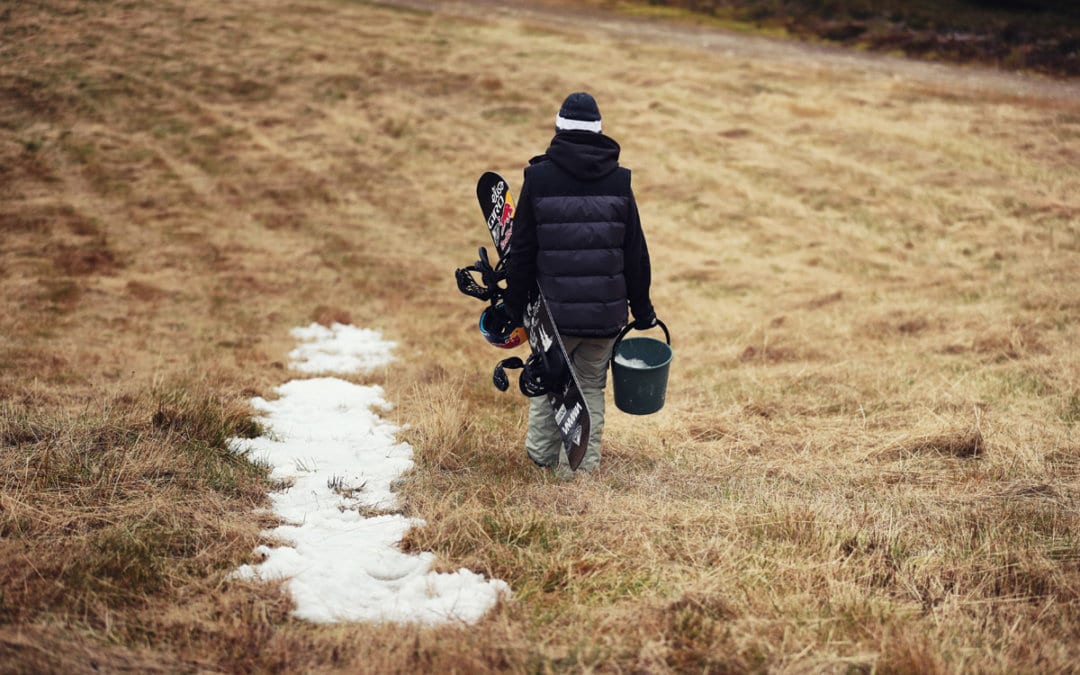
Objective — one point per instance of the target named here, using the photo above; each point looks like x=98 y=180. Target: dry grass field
x=869 y=460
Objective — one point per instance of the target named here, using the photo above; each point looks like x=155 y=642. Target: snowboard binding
x=540 y=374
x=530 y=381
x=488 y=287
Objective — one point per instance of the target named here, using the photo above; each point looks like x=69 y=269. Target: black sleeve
x=521 y=261
x=637 y=267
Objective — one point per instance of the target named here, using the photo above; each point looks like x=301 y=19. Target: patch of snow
x=338 y=457
x=339 y=349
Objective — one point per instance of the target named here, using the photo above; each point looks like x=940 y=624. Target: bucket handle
x=629 y=327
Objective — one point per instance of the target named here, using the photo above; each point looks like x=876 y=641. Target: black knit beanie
x=579 y=111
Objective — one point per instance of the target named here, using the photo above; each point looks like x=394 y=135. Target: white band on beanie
x=574 y=125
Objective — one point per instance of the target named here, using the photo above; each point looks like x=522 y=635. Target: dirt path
x=972 y=79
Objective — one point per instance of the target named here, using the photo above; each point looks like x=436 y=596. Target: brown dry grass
x=868 y=460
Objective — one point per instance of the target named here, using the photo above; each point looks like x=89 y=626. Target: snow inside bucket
x=630 y=363
x=639 y=374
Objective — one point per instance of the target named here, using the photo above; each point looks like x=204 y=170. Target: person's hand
x=646 y=322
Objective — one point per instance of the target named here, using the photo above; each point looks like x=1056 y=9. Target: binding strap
x=488 y=288
x=530 y=381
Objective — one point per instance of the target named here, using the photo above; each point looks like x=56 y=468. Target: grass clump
x=121 y=503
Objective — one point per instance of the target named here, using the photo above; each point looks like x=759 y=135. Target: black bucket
x=639 y=372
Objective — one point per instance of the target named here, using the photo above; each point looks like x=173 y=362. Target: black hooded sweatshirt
x=577 y=232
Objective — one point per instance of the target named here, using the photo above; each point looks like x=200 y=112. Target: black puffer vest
x=576 y=215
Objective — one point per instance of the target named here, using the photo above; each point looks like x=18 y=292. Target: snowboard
x=563 y=390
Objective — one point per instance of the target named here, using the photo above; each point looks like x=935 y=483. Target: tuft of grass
x=960 y=444
x=454 y=430
x=122 y=501
x=1070 y=413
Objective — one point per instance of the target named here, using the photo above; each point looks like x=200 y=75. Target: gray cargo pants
x=589 y=357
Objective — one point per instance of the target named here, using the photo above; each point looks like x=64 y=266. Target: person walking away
x=577 y=232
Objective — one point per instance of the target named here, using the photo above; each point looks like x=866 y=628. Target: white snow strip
x=326 y=441
x=339 y=349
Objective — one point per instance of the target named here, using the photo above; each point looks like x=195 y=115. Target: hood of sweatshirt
x=583 y=154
